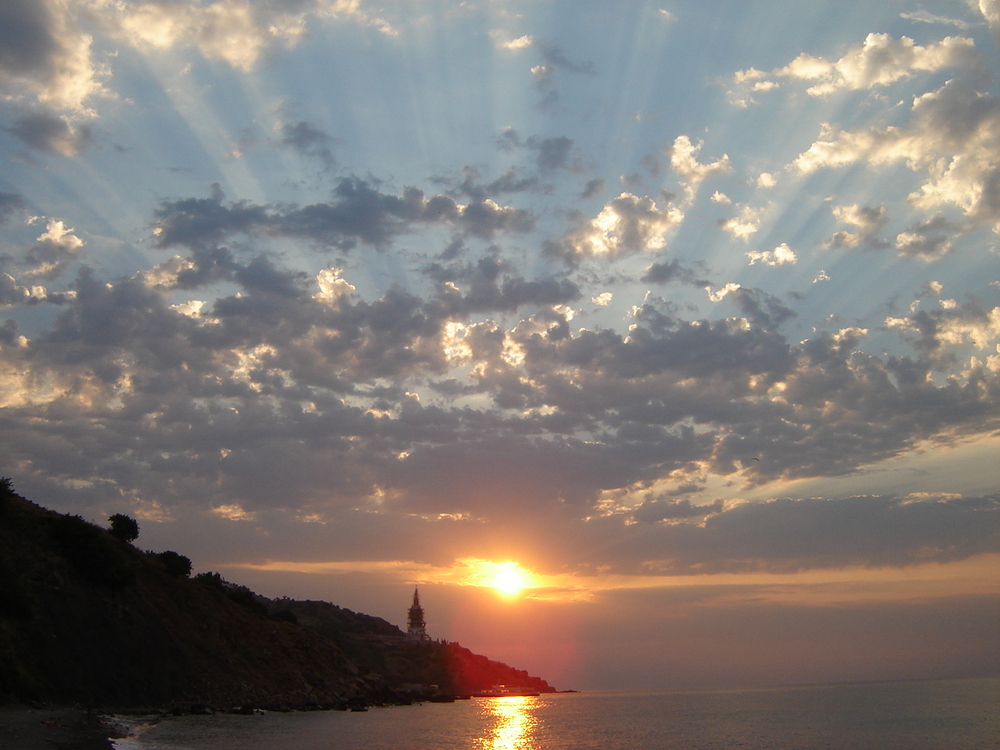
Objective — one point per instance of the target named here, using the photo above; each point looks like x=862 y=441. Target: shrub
x=234 y=592
x=212 y=580
x=174 y=563
x=285 y=615
x=6 y=492
x=91 y=552
x=124 y=527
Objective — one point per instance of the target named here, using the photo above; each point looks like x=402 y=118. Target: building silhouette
x=416 y=629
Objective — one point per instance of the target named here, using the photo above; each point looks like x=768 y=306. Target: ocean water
x=932 y=715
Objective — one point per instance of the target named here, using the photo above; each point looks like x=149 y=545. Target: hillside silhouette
x=88 y=619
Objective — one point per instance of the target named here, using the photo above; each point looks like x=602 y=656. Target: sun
x=508 y=579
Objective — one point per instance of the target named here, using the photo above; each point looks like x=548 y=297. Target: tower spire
x=416 y=626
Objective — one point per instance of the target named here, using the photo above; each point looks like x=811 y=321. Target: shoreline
x=25 y=728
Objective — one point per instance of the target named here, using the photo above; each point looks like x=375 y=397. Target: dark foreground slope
x=88 y=619
x=379 y=647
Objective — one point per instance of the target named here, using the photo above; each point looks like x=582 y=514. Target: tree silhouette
x=124 y=527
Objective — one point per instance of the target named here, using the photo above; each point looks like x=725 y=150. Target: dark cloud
x=565 y=413
x=936 y=332
x=12 y=293
x=662 y=510
x=10 y=203
x=358 y=213
x=493 y=287
x=509 y=182
x=927 y=240
x=200 y=222
x=26 y=42
x=788 y=535
x=51 y=134
x=309 y=141
x=662 y=273
x=555 y=57
x=868 y=220
x=761 y=308
x=592 y=188
x=549 y=154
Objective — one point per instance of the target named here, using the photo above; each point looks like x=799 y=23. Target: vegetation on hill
x=86 y=618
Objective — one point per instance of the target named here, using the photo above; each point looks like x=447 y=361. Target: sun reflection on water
x=513 y=723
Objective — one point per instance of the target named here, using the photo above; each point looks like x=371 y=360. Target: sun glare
x=508 y=578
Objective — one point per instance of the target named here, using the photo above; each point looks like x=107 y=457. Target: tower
x=416 y=627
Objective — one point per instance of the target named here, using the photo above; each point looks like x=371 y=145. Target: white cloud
x=954 y=136
x=879 y=61
x=868 y=220
x=331 y=286
x=781 y=255
x=720 y=295
x=53 y=61
x=744 y=225
x=926 y=241
x=502 y=41
x=766 y=180
x=923 y=16
x=991 y=12
x=237 y=32
x=683 y=160
x=627 y=224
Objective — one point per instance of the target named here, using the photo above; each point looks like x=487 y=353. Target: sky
x=657 y=343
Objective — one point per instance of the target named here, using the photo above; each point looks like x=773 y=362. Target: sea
x=918 y=715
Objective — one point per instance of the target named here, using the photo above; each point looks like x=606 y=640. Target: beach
x=47 y=728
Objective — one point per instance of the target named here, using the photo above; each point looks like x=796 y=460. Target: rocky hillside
x=86 y=618
x=379 y=647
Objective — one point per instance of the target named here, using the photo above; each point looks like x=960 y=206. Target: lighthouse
x=416 y=626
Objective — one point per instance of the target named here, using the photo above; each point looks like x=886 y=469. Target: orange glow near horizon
x=972 y=576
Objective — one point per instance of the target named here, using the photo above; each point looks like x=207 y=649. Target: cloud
x=358 y=213
x=661 y=509
x=935 y=333
x=55 y=248
x=592 y=188
x=46 y=54
x=952 y=136
x=868 y=219
x=626 y=225
x=236 y=32
x=923 y=16
x=683 y=160
x=879 y=61
x=503 y=41
x=550 y=154
x=991 y=12
x=12 y=293
x=291 y=391
x=744 y=225
x=661 y=273
x=10 y=203
x=760 y=308
x=929 y=240
x=51 y=134
x=781 y=255
x=786 y=535
x=308 y=140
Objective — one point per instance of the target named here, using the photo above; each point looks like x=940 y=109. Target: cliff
x=88 y=619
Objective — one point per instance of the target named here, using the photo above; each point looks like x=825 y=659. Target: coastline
x=23 y=728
